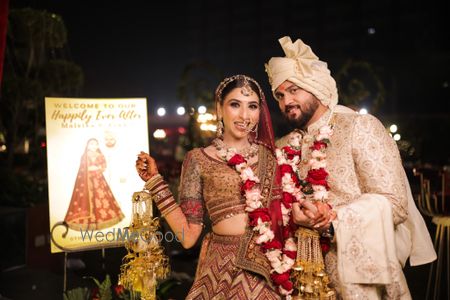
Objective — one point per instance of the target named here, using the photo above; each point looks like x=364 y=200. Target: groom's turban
x=303 y=68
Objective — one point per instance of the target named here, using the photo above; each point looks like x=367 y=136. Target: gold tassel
x=145 y=262
x=310 y=277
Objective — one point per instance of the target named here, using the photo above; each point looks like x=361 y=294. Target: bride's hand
x=146 y=166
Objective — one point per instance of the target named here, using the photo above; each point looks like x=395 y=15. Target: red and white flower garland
x=281 y=257
x=315 y=186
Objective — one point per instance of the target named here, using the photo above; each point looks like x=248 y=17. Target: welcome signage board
x=91 y=152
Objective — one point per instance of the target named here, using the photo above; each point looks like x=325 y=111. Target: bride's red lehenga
x=93 y=205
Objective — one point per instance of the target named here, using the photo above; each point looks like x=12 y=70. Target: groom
x=368 y=186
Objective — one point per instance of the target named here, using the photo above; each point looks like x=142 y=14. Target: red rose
x=285 y=168
x=287 y=199
x=287 y=285
x=318 y=145
x=295 y=179
x=290 y=254
x=325 y=244
x=291 y=152
x=119 y=289
x=279 y=278
x=236 y=160
x=286 y=232
x=274 y=244
x=248 y=185
x=94 y=293
x=317 y=177
x=260 y=213
x=292 y=226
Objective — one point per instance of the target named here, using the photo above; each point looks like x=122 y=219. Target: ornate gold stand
x=310 y=277
x=145 y=262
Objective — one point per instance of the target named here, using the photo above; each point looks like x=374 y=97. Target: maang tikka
x=246 y=89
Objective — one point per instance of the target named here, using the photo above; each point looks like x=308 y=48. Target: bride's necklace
x=247 y=152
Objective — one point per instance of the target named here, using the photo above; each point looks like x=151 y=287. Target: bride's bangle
x=152 y=183
x=161 y=193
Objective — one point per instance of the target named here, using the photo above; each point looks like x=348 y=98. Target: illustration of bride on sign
x=93 y=205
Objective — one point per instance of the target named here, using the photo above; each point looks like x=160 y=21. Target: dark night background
x=141 y=49
x=396 y=53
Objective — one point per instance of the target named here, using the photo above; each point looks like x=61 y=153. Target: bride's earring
x=255 y=130
x=219 y=132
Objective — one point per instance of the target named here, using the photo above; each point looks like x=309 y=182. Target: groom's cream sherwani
x=378 y=226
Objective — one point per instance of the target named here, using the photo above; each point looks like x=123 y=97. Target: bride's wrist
x=161 y=194
x=153 y=182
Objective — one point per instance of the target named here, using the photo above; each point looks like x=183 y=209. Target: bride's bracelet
x=161 y=194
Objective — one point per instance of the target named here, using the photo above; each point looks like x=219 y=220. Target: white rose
x=295 y=161
x=252 y=205
x=320 y=192
x=318 y=154
x=281 y=268
x=278 y=153
x=290 y=245
x=253 y=195
x=247 y=174
x=321 y=195
x=289 y=262
x=282 y=160
x=285 y=214
x=261 y=226
x=241 y=167
x=265 y=237
x=295 y=139
x=273 y=255
x=317 y=164
x=285 y=292
x=324 y=133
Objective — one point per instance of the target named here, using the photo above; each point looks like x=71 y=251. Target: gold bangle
x=153 y=181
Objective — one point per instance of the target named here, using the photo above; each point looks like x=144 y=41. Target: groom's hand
x=304 y=216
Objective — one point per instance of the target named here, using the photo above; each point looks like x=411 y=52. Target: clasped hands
x=316 y=215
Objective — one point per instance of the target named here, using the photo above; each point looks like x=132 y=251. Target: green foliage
x=36 y=65
x=104 y=288
x=19 y=190
x=164 y=288
x=80 y=293
x=29 y=26
x=63 y=77
x=105 y=291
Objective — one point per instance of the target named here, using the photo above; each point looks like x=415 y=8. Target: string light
x=201 y=109
x=181 y=110
x=161 y=111
x=159 y=134
x=393 y=128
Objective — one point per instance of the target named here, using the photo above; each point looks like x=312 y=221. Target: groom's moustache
x=291 y=106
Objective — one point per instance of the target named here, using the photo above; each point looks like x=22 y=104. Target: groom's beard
x=304 y=117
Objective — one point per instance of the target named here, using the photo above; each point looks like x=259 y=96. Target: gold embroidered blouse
x=207 y=182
